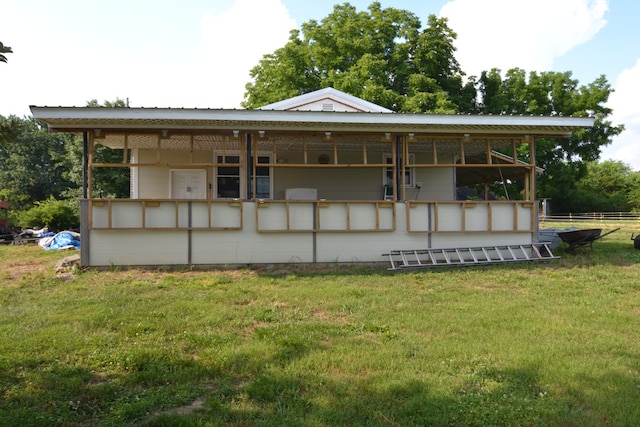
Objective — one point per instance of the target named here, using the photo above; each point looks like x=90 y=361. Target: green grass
x=520 y=344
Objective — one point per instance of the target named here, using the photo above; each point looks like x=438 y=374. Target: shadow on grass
x=52 y=392
x=252 y=389
x=486 y=396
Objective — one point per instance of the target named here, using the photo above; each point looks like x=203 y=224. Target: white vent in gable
x=327 y=106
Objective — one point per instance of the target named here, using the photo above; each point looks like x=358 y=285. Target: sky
x=198 y=53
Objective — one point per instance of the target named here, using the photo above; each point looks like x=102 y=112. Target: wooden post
x=85 y=163
x=364 y=151
x=125 y=148
x=92 y=142
x=489 y=159
x=435 y=152
x=158 y=150
x=304 y=147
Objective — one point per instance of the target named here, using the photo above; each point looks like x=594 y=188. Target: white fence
x=592 y=217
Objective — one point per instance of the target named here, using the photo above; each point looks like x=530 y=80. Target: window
x=409 y=175
x=230 y=179
x=263 y=179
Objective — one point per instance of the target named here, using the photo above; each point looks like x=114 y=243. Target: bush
x=55 y=214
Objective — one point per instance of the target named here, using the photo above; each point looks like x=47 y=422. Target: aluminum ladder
x=424 y=258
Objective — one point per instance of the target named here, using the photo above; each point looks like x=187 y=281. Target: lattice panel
x=293 y=142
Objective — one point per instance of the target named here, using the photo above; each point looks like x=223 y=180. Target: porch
x=256 y=197
x=323 y=177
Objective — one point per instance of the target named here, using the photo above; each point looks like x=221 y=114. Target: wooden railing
x=325 y=216
x=291 y=216
x=470 y=216
x=143 y=214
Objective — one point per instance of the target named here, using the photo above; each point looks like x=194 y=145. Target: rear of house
x=320 y=178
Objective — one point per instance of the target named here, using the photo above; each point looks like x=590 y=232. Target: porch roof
x=78 y=119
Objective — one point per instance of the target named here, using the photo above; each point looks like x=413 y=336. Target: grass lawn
x=550 y=344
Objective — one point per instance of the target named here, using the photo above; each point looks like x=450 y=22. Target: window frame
x=242 y=166
x=387 y=159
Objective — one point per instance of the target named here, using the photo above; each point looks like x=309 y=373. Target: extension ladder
x=422 y=258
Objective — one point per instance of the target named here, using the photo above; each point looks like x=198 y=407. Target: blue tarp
x=64 y=239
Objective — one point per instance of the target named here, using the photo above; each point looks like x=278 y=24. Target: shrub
x=51 y=213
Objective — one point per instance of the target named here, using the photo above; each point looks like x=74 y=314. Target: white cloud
x=526 y=34
x=531 y=35
x=624 y=102
x=233 y=42
x=55 y=64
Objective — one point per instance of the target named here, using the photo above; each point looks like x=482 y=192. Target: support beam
x=249 y=167
x=85 y=163
x=399 y=175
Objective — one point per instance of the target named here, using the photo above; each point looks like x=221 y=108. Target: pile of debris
x=48 y=240
x=62 y=240
x=66 y=267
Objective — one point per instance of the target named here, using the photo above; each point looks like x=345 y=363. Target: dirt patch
x=14 y=268
x=182 y=410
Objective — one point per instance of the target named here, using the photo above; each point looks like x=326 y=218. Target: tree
x=610 y=186
x=108 y=182
x=4 y=49
x=118 y=103
x=9 y=127
x=383 y=56
x=51 y=213
x=380 y=55
x=34 y=164
x=634 y=191
x=605 y=187
x=550 y=94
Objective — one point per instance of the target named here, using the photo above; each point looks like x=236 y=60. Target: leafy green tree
x=380 y=55
x=551 y=94
x=563 y=190
x=9 y=127
x=34 y=164
x=108 y=182
x=634 y=191
x=118 y=103
x=383 y=56
x=604 y=188
x=55 y=214
x=609 y=186
x=4 y=49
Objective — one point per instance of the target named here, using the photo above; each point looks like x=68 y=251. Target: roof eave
x=76 y=119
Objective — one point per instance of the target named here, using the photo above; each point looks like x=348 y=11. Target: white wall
x=154 y=182
x=339 y=183
x=247 y=246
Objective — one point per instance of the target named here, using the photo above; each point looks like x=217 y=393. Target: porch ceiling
x=78 y=119
x=297 y=142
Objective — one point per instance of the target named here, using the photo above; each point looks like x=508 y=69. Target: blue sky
x=197 y=53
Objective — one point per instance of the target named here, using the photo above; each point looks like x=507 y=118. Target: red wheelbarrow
x=577 y=238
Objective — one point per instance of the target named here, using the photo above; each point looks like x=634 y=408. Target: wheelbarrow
x=578 y=238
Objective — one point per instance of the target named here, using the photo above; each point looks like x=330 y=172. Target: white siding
x=131 y=248
x=247 y=246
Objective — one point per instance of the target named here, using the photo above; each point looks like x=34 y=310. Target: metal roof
x=77 y=119
x=301 y=102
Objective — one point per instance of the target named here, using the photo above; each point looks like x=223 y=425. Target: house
x=323 y=177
